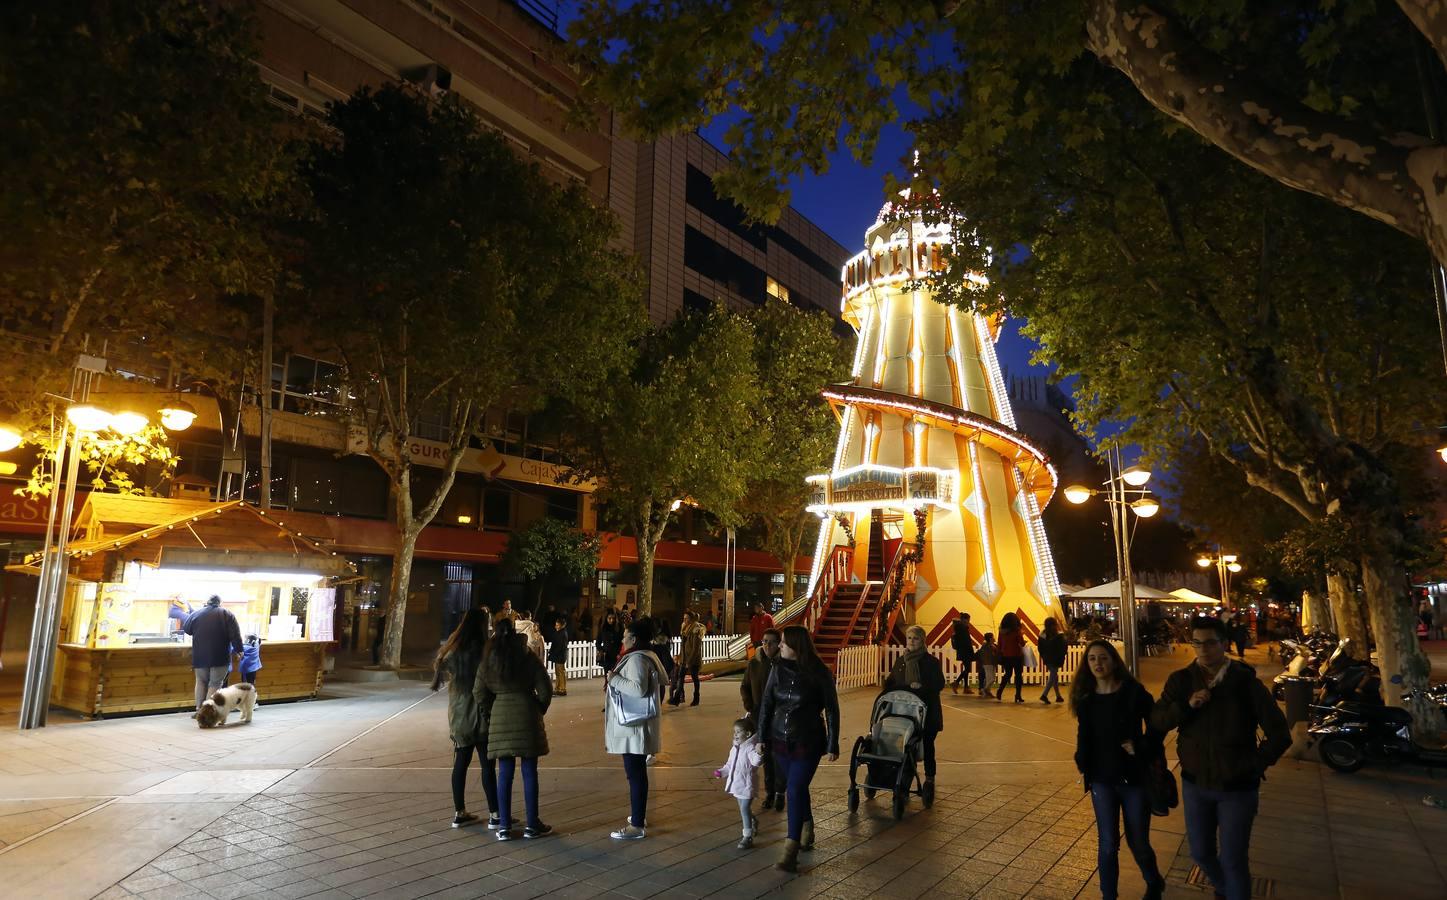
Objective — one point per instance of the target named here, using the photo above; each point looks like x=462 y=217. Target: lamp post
x=81 y=418
x=1226 y=566
x=1124 y=490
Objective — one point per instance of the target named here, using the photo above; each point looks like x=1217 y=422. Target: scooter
x=1350 y=735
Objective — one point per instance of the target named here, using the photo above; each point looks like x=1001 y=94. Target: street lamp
x=81 y=418
x=10 y=437
x=1124 y=489
x=1226 y=566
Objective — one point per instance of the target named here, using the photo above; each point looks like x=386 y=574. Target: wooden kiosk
x=137 y=566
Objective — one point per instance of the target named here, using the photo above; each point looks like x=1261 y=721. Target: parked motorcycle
x=1351 y=734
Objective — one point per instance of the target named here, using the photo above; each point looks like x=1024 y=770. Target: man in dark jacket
x=215 y=638
x=964 y=647
x=751 y=691
x=1217 y=705
x=558 y=655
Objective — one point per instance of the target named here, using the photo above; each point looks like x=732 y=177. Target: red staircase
x=845 y=619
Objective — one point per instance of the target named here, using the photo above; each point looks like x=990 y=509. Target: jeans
x=987 y=677
x=1012 y=665
x=1232 y=812
x=1052 y=682
x=505 y=768
x=964 y=676
x=635 y=765
x=928 y=739
x=797 y=775
x=746 y=812
x=461 y=761
x=209 y=681
x=1110 y=801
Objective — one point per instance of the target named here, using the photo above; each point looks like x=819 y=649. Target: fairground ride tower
x=932 y=506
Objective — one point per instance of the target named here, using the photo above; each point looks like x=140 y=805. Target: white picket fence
x=868 y=665
x=583 y=655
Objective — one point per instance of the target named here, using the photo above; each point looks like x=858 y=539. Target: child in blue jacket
x=250 y=659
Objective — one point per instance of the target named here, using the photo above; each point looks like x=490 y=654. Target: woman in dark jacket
x=1052 y=657
x=513 y=691
x=921 y=674
x=799 y=717
x=1012 y=655
x=610 y=642
x=1114 y=750
x=457 y=663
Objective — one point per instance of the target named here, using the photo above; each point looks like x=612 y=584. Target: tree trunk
x=1321 y=612
x=646 y=547
x=1395 y=625
x=1349 y=614
x=397 y=600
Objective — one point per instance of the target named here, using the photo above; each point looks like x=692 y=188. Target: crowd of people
x=499 y=693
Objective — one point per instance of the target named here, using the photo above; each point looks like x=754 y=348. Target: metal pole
x=35 y=658
x=59 y=571
x=1127 y=580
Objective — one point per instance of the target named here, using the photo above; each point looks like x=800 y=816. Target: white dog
x=215 y=710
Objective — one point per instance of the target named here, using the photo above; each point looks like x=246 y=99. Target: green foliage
x=122 y=464
x=549 y=550
x=796 y=355
x=142 y=172
x=678 y=428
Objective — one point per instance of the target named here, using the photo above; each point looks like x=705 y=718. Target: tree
x=677 y=429
x=1324 y=98
x=1191 y=295
x=447 y=274
x=796 y=355
x=143 y=171
x=548 y=551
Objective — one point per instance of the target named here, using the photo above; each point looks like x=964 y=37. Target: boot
x=806 y=836
x=789 y=861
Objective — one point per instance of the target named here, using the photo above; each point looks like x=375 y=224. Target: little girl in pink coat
x=738 y=776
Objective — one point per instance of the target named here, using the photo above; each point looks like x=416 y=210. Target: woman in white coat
x=638 y=674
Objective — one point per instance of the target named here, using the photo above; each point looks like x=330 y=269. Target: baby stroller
x=890 y=751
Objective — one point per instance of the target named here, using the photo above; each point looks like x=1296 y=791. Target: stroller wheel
x=854 y=799
x=901 y=798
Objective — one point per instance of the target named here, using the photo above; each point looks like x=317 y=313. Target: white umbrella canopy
x=1111 y=591
x=1186 y=595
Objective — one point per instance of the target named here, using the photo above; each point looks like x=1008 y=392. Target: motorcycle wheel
x=1342 y=755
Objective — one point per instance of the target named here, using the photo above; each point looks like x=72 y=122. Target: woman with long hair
x=514 y=691
x=457 y=663
x=799 y=717
x=1114 y=750
x=610 y=636
x=638 y=674
x=1052 y=657
x=1012 y=655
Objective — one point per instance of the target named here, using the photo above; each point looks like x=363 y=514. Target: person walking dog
x=215 y=638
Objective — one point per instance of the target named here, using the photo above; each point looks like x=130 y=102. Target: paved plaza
x=348 y=797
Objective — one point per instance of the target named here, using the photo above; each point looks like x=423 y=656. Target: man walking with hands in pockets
x=1218 y=705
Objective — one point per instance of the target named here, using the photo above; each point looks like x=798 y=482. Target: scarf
x=911 y=660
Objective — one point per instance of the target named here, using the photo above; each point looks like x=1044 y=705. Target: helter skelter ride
x=932 y=506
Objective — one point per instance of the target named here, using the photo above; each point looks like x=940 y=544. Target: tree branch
x=1430 y=18
x=1331 y=157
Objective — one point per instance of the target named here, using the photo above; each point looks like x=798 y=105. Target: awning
x=1111 y=591
x=1186 y=595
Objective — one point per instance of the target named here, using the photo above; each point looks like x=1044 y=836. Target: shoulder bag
x=632 y=710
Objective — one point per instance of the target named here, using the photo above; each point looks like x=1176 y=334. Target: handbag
x=1032 y=658
x=1161 y=787
x=632 y=710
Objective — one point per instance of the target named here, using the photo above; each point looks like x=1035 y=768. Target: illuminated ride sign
x=882 y=487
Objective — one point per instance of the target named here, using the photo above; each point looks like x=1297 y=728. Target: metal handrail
x=885 y=608
x=805 y=610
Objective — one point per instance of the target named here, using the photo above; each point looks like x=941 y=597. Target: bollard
x=1298 y=692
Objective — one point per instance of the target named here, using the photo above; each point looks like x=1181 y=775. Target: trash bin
x=1298 y=690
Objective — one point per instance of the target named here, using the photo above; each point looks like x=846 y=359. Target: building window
x=713 y=260
x=496 y=509
x=300 y=384
x=776 y=290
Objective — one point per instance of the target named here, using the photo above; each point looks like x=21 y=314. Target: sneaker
x=746 y=842
x=649 y=760
x=537 y=831
x=493 y=824
x=504 y=834
x=628 y=833
x=955 y=688
x=1434 y=801
x=1045 y=700
x=463 y=818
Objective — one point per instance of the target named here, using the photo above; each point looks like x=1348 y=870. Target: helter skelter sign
x=926 y=428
